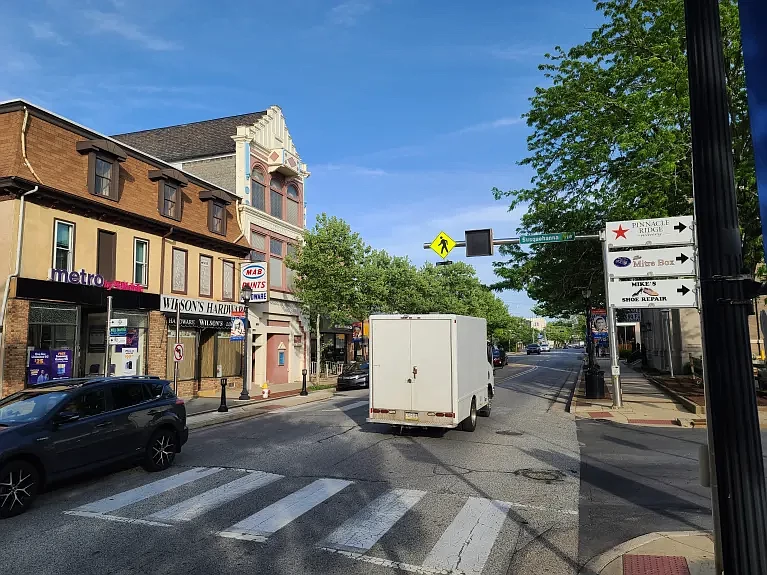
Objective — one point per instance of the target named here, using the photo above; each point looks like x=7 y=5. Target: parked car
x=354 y=375
x=66 y=427
x=534 y=348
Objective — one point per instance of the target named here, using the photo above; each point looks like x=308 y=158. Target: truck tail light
x=375 y=410
x=446 y=414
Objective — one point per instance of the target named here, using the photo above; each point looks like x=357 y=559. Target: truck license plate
x=411 y=415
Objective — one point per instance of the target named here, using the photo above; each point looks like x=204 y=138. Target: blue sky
x=407 y=112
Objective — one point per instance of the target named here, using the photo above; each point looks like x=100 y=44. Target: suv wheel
x=19 y=484
x=161 y=450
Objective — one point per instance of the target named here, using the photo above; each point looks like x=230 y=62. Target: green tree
x=611 y=140
x=559 y=332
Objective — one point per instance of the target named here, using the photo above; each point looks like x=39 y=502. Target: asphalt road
x=315 y=489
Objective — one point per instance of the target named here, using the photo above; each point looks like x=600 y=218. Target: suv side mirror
x=66 y=417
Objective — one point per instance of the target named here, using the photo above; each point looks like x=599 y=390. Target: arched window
x=275 y=196
x=294 y=205
x=258 y=189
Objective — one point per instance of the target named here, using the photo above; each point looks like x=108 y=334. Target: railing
x=327 y=368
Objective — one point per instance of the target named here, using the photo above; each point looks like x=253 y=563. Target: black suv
x=65 y=427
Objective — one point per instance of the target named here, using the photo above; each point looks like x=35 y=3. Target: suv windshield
x=30 y=405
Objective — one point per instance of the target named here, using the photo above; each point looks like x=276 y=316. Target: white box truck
x=429 y=370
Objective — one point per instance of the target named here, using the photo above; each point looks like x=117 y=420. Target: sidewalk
x=252 y=409
x=659 y=553
x=209 y=400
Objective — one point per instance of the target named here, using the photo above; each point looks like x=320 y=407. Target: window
x=63 y=245
x=178 y=283
x=170 y=200
x=294 y=211
x=275 y=272
x=127 y=394
x=107 y=253
x=258 y=243
x=206 y=276
x=258 y=189
x=217 y=218
x=275 y=247
x=289 y=273
x=103 y=185
x=141 y=262
x=275 y=196
x=87 y=404
x=227 y=285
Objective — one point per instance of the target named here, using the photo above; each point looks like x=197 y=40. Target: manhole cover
x=547 y=475
x=508 y=432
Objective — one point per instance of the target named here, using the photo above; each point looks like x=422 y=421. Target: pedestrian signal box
x=479 y=242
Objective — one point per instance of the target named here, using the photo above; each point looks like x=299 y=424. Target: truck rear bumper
x=409 y=423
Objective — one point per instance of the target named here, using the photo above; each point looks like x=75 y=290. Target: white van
x=429 y=370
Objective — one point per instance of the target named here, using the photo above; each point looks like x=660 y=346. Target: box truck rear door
x=390 y=359
x=431 y=356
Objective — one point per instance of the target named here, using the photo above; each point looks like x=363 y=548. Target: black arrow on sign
x=684 y=290
x=681 y=227
x=682 y=258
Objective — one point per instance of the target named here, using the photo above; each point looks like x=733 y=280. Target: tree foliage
x=342 y=278
x=611 y=140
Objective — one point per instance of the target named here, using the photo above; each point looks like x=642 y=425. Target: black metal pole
x=223 y=407
x=738 y=487
x=303 y=385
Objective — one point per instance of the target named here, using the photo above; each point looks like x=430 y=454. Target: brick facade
x=158 y=344
x=15 y=342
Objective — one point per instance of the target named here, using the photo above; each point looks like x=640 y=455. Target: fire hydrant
x=265 y=390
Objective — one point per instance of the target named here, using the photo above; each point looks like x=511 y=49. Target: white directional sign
x=650 y=232
x=665 y=293
x=648 y=263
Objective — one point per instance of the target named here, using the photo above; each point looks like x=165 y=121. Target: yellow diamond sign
x=443 y=244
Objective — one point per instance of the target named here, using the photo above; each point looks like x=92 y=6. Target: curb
x=272 y=397
x=572 y=401
x=596 y=564
x=253 y=412
x=690 y=406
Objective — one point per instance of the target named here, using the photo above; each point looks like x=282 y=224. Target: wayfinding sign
x=547 y=238
x=652 y=262
x=662 y=293
x=649 y=232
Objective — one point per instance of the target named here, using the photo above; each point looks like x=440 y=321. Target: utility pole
x=738 y=488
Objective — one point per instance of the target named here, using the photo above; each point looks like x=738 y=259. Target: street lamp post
x=586 y=292
x=246 y=292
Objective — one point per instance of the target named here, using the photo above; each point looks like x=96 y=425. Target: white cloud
x=492 y=125
x=44 y=31
x=349 y=12
x=114 y=23
x=350 y=169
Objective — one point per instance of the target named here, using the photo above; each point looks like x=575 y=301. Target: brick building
x=253 y=156
x=86 y=218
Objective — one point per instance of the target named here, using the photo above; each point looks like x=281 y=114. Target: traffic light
x=479 y=242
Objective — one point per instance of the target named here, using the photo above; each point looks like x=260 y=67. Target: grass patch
x=321 y=386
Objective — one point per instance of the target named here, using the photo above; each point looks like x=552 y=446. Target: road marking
x=124 y=498
x=361 y=532
x=521 y=373
x=196 y=506
x=389 y=563
x=259 y=526
x=349 y=406
x=116 y=518
x=467 y=542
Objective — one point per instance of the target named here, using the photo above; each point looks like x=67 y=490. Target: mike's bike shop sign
x=753 y=23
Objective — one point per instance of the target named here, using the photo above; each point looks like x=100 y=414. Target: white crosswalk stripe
x=363 y=530
x=125 y=498
x=466 y=544
x=349 y=406
x=259 y=526
x=196 y=506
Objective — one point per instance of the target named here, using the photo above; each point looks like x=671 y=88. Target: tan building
x=89 y=220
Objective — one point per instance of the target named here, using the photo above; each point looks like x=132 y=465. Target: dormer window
x=217 y=201
x=169 y=195
x=104 y=158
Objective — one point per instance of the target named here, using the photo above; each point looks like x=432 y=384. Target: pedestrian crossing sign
x=443 y=244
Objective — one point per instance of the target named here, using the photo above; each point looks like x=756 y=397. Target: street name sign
x=547 y=238
x=652 y=263
x=443 y=244
x=649 y=232
x=663 y=293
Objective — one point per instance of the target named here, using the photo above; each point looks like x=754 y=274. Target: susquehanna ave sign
x=198 y=306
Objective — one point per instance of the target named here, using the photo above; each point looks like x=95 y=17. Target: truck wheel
x=485 y=411
x=470 y=423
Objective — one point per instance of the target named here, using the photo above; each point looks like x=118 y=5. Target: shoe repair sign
x=662 y=293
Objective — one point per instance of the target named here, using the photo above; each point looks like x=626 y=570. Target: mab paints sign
x=254 y=275
x=84 y=278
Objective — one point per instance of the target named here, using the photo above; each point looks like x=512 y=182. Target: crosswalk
x=463 y=547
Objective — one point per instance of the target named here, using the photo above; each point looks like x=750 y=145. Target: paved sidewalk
x=643 y=402
x=254 y=409
x=659 y=553
x=209 y=400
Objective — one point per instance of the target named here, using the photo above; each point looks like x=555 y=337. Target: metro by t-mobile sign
x=87 y=279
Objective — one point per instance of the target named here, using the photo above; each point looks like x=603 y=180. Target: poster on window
x=61 y=364
x=39 y=367
x=130 y=359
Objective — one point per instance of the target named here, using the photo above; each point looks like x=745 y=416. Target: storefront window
x=130 y=358
x=186 y=368
x=51 y=341
x=229 y=355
